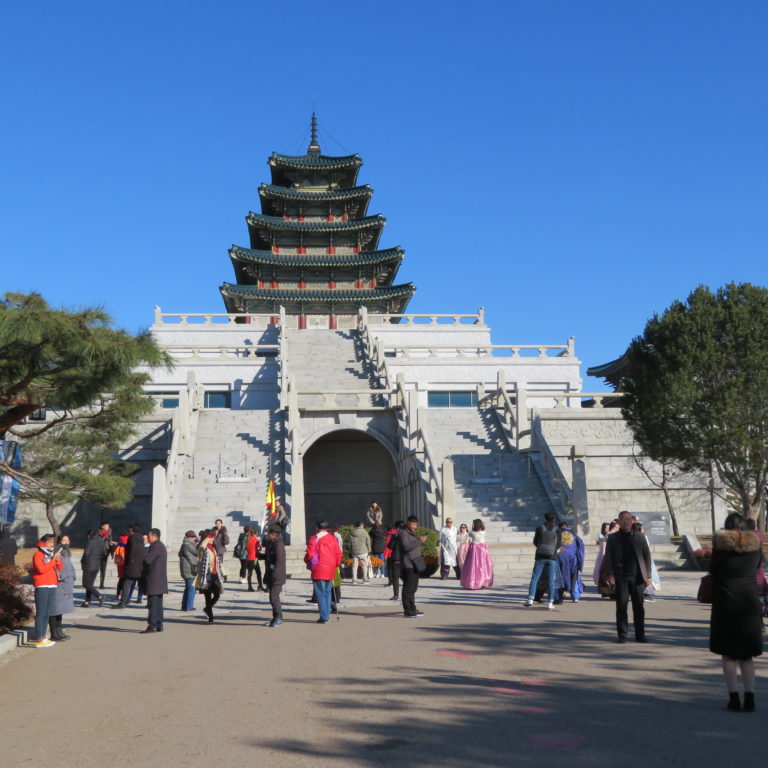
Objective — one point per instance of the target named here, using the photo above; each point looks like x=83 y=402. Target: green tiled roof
x=260 y=221
x=389 y=255
x=291 y=193
x=325 y=295
x=314 y=160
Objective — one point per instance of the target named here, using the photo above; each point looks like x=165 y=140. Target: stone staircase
x=236 y=453
x=491 y=481
x=322 y=360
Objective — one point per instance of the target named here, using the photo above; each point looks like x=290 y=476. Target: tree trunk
x=672 y=517
x=49 y=513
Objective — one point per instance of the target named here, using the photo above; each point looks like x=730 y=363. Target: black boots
x=734 y=703
x=54 y=625
x=749 y=702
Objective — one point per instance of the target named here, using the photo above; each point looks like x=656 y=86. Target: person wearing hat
x=547 y=541
x=188 y=569
x=274 y=575
x=323 y=557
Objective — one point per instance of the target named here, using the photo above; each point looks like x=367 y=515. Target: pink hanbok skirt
x=461 y=554
x=477 y=571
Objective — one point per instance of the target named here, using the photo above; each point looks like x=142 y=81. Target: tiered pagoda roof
x=314 y=249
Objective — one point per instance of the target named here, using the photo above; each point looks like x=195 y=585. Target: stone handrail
x=477 y=318
x=210 y=318
x=330 y=398
x=551 y=468
x=504 y=402
x=217 y=351
x=479 y=350
x=562 y=399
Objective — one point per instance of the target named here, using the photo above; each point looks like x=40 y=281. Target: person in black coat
x=156 y=580
x=736 y=625
x=95 y=548
x=409 y=546
x=274 y=575
x=134 y=562
x=378 y=536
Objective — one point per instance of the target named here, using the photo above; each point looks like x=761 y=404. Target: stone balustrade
x=477 y=318
x=346 y=399
x=213 y=319
x=536 y=351
x=203 y=352
x=564 y=399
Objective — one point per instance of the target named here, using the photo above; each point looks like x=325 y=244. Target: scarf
x=47 y=553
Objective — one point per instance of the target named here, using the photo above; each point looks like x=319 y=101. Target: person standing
x=448 y=534
x=64 y=599
x=119 y=558
x=736 y=626
x=106 y=534
x=46 y=566
x=374 y=514
x=360 y=546
x=627 y=564
x=323 y=557
x=95 y=546
x=252 y=547
x=547 y=541
x=274 y=570
x=462 y=546
x=155 y=581
x=378 y=544
x=411 y=563
x=392 y=553
x=220 y=544
x=188 y=569
x=477 y=571
x=570 y=560
x=134 y=563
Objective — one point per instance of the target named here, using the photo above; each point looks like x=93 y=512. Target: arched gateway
x=343 y=471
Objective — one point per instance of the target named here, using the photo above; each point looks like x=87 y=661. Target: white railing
x=477 y=318
x=220 y=351
x=345 y=399
x=481 y=350
x=212 y=318
x=563 y=399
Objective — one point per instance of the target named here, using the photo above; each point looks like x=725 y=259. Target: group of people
x=467 y=553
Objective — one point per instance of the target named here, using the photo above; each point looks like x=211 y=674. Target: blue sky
x=573 y=166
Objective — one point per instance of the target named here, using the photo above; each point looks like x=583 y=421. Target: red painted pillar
x=302 y=322
x=332 y=322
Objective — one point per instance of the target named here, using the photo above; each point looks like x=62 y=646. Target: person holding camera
x=411 y=565
x=46 y=566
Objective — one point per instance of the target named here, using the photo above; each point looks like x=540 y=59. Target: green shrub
x=15 y=605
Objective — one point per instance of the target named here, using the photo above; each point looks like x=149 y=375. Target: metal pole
x=712 y=499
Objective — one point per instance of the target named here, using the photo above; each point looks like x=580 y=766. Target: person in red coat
x=46 y=565
x=323 y=557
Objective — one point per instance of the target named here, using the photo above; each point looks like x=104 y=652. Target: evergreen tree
x=66 y=360
x=696 y=385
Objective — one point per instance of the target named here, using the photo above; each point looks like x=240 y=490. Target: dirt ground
x=479 y=680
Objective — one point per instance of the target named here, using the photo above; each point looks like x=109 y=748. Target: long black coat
x=134 y=556
x=736 y=626
x=274 y=555
x=156 y=569
x=95 y=549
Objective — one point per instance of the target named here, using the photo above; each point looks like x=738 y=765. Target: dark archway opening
x=343 y=472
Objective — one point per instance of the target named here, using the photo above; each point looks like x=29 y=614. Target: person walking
x=119 y=557
x=274 y=570
x=411 y=565
x=448 y=535
x=360 y=546
x=627 y=564
x=64 y=599
x=95 y=546
x=46 y=566
x=155 y=581
x=208 y=579
x=252 y=547
x=323 y=557
x=134 y=564
x=735 y=627
x=220 y=544
x=547 y=541
x=188 y=570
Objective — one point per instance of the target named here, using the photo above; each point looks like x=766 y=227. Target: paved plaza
x=479 y=680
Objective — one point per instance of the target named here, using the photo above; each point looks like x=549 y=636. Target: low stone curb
x=13 y=640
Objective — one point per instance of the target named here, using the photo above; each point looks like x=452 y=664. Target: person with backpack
x=392 y=555
x=547 y=541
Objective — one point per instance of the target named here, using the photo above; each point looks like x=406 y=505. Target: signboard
x=655 y=526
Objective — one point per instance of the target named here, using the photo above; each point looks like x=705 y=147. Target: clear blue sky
x=571 y=165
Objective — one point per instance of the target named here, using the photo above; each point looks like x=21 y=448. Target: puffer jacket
x=359 y=542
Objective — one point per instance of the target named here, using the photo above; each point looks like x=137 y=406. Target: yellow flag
x=271 y=498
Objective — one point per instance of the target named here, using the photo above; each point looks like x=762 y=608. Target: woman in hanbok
x=600 y=580
x=477 y=571
x=462 y=546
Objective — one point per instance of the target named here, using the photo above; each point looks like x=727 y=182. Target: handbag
x=706 y=587
x=417 y=561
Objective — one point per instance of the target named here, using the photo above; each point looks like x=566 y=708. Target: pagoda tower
x=314 y=248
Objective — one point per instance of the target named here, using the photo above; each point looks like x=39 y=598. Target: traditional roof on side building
x=612 y=372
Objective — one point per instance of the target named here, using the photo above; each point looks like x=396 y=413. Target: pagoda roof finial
x=314 y=147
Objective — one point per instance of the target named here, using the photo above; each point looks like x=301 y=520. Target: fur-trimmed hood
x=737 y=541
